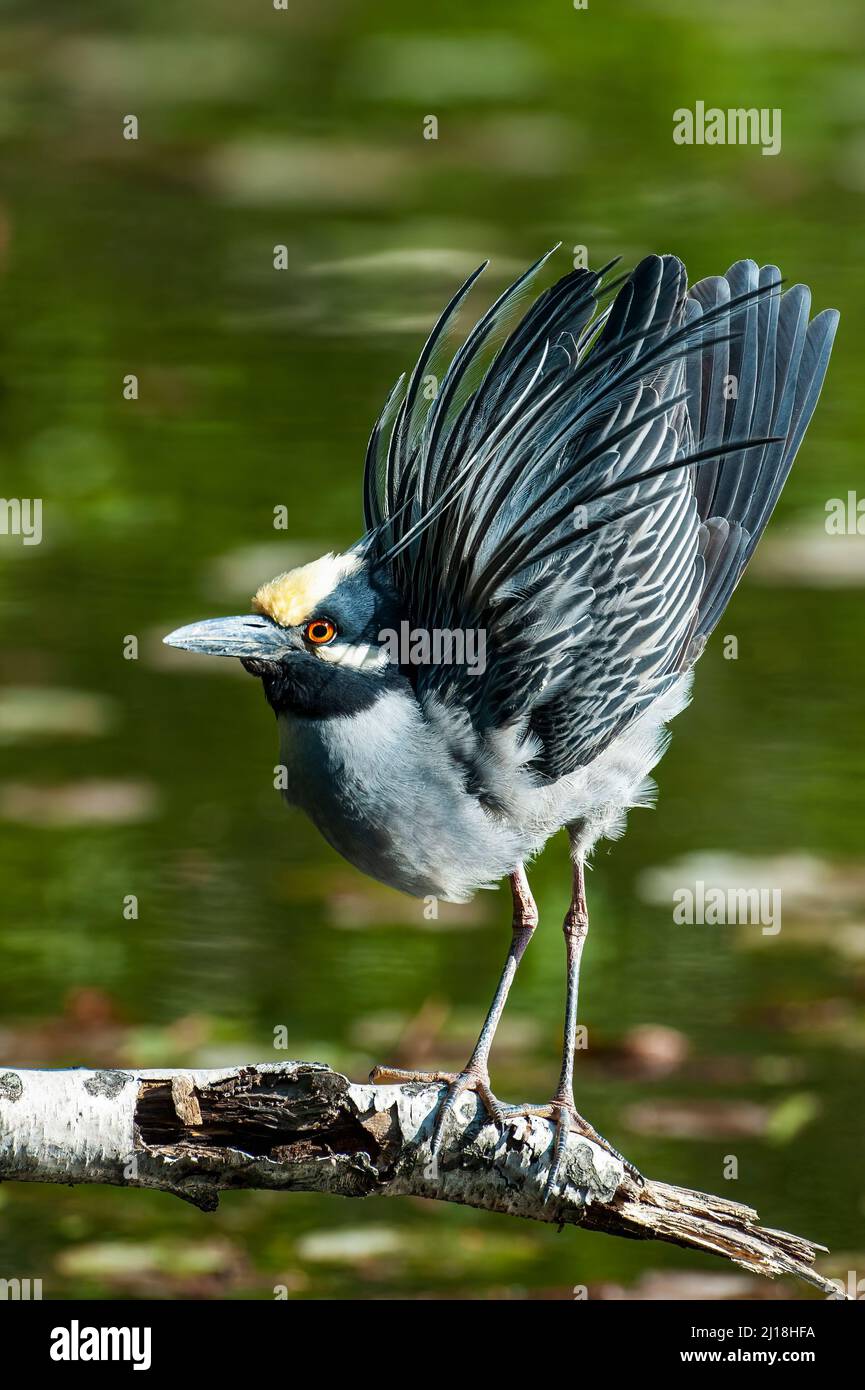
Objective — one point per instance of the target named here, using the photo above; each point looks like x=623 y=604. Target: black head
x=312 y=639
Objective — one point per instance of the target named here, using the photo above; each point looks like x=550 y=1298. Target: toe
x=396 y=1076
x=466 y=1081
x=490 y=1102
x=553 y=1184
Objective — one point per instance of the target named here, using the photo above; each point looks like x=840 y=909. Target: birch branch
x=300 y=1127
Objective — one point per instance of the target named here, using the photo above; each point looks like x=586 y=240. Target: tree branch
x=300 y=1127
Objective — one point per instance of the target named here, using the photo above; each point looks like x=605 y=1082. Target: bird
x=570 y=493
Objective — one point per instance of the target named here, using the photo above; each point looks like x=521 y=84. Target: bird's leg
x=562 y=1108
x=476 y=1076
x=576 y=929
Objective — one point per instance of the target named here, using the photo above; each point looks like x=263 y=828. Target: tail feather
x=762 y=382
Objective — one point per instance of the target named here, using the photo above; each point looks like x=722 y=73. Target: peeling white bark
x=298 y=1126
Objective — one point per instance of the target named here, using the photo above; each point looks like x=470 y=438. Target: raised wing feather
x=588 y=490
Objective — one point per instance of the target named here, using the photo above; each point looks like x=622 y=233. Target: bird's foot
x=474 y=1078
x=568 y=1120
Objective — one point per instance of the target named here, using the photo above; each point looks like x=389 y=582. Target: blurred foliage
x=257 y=388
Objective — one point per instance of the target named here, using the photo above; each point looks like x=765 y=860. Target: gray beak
x=249 y=636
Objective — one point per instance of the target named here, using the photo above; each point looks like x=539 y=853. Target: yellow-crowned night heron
x=581 y=486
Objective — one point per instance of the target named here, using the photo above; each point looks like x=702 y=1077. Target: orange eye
x=320 y=631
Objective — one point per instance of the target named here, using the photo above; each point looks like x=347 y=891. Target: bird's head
x=312 y=637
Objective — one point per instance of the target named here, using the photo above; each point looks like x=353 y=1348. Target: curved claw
x=553 y=1185
x=457 y=1083
x=462 y=1082
x=567 y=1120
x=583 y=1127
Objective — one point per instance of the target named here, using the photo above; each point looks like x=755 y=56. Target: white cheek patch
x=360 y=656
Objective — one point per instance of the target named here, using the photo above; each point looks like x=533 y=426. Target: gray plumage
x=552 y=506
x=585 y=488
